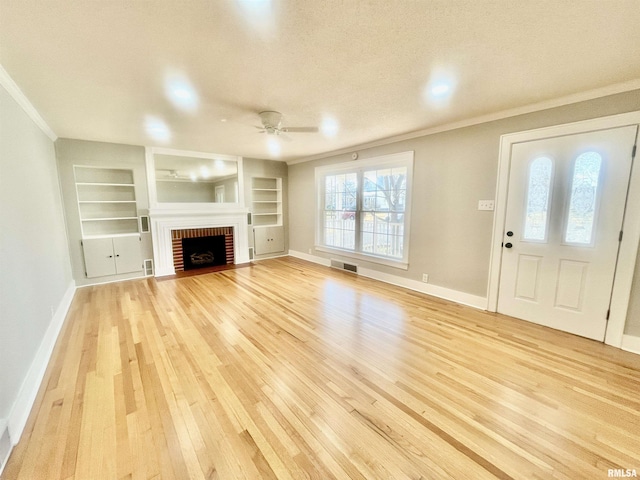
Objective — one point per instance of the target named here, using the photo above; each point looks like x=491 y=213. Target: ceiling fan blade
x=300 y=129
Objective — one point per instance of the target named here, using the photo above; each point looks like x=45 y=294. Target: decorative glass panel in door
x=538 y=192
x=584 y=196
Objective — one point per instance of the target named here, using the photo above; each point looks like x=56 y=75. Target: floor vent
x=344 y=266
x=148 y=267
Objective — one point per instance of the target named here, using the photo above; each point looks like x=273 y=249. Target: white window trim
x=391 y=160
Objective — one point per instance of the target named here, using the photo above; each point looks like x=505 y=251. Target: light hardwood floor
x=286 y=369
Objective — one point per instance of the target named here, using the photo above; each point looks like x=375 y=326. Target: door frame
x=631 y=221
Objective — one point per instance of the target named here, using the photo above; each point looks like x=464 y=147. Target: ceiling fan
x=272 y=125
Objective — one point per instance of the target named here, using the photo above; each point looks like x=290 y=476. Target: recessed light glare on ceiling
x=439 y=89
x=193 y=176
x=258 y=14
x=204 y=171
x=180 y=92
x=157 y=129
x=329 y=127
x=274 y=147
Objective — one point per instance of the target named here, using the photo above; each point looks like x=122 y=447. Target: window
x=538 y=192
x=364 y=209
x=582 y=206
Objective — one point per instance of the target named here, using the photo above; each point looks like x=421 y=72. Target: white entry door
x=565 y=206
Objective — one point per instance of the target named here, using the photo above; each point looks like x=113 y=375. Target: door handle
x=508 y=245
x=509 y=233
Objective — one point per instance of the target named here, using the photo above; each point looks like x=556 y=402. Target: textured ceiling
x=99 y=70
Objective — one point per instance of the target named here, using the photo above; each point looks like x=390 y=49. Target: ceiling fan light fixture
x=271 y=120
x=272 y=125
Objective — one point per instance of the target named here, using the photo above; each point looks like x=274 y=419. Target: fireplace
x=170 y=226
x=202 y=247
x=202 y=252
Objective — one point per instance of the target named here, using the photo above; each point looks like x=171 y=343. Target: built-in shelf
x=106 y=201
x=94 y=184
x=113 y=235
x=266 y=201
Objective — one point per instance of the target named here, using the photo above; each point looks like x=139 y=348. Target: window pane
x=582 y=207
x=330 y=201
x=364 y=210
x=340 y=210
x=339 y=231
x=539 y=188
x=384 y=198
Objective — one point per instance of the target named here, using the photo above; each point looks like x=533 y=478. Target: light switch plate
x=486 y=205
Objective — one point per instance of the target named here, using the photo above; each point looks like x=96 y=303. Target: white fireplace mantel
x=165 y=220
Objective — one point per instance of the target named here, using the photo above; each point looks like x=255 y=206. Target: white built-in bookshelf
x=106 y=201
x=266 y=201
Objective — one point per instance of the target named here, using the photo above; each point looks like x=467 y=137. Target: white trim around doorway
x=631 y=223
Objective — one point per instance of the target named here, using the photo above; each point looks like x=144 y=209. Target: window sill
x=364 y=257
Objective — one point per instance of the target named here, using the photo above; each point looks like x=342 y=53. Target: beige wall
x=80 y=152
x=35 y=271
x=450 y=239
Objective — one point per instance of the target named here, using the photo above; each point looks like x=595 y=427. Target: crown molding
x=512 y=112
x=14 y=90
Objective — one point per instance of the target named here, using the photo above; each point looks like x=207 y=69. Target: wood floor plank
x=285 y=369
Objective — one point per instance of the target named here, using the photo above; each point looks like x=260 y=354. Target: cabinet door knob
x=110 y=256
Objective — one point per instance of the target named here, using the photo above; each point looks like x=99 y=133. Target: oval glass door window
x=538 y=193
x=584 y=195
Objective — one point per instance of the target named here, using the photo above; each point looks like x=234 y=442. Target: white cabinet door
x=98 y=257
x=112 y=255
x=277 y=239
x=268 y=240
x=127 y=254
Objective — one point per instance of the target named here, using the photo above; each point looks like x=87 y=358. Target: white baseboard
x=631 y=343
x=310 y=258
x=26 y=397
x=5 y=444
x=440 y=292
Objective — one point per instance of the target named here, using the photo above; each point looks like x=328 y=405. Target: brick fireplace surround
x=178 y=235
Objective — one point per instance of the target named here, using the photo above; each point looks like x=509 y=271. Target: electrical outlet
x=425 y=278
x=486 y=205
x=310 y=251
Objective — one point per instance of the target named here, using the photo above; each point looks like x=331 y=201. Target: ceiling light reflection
x=274 y=147
x=258 y=14
x=180 y=92
x=440 y=88
x=157 y=129
x=329 y=127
